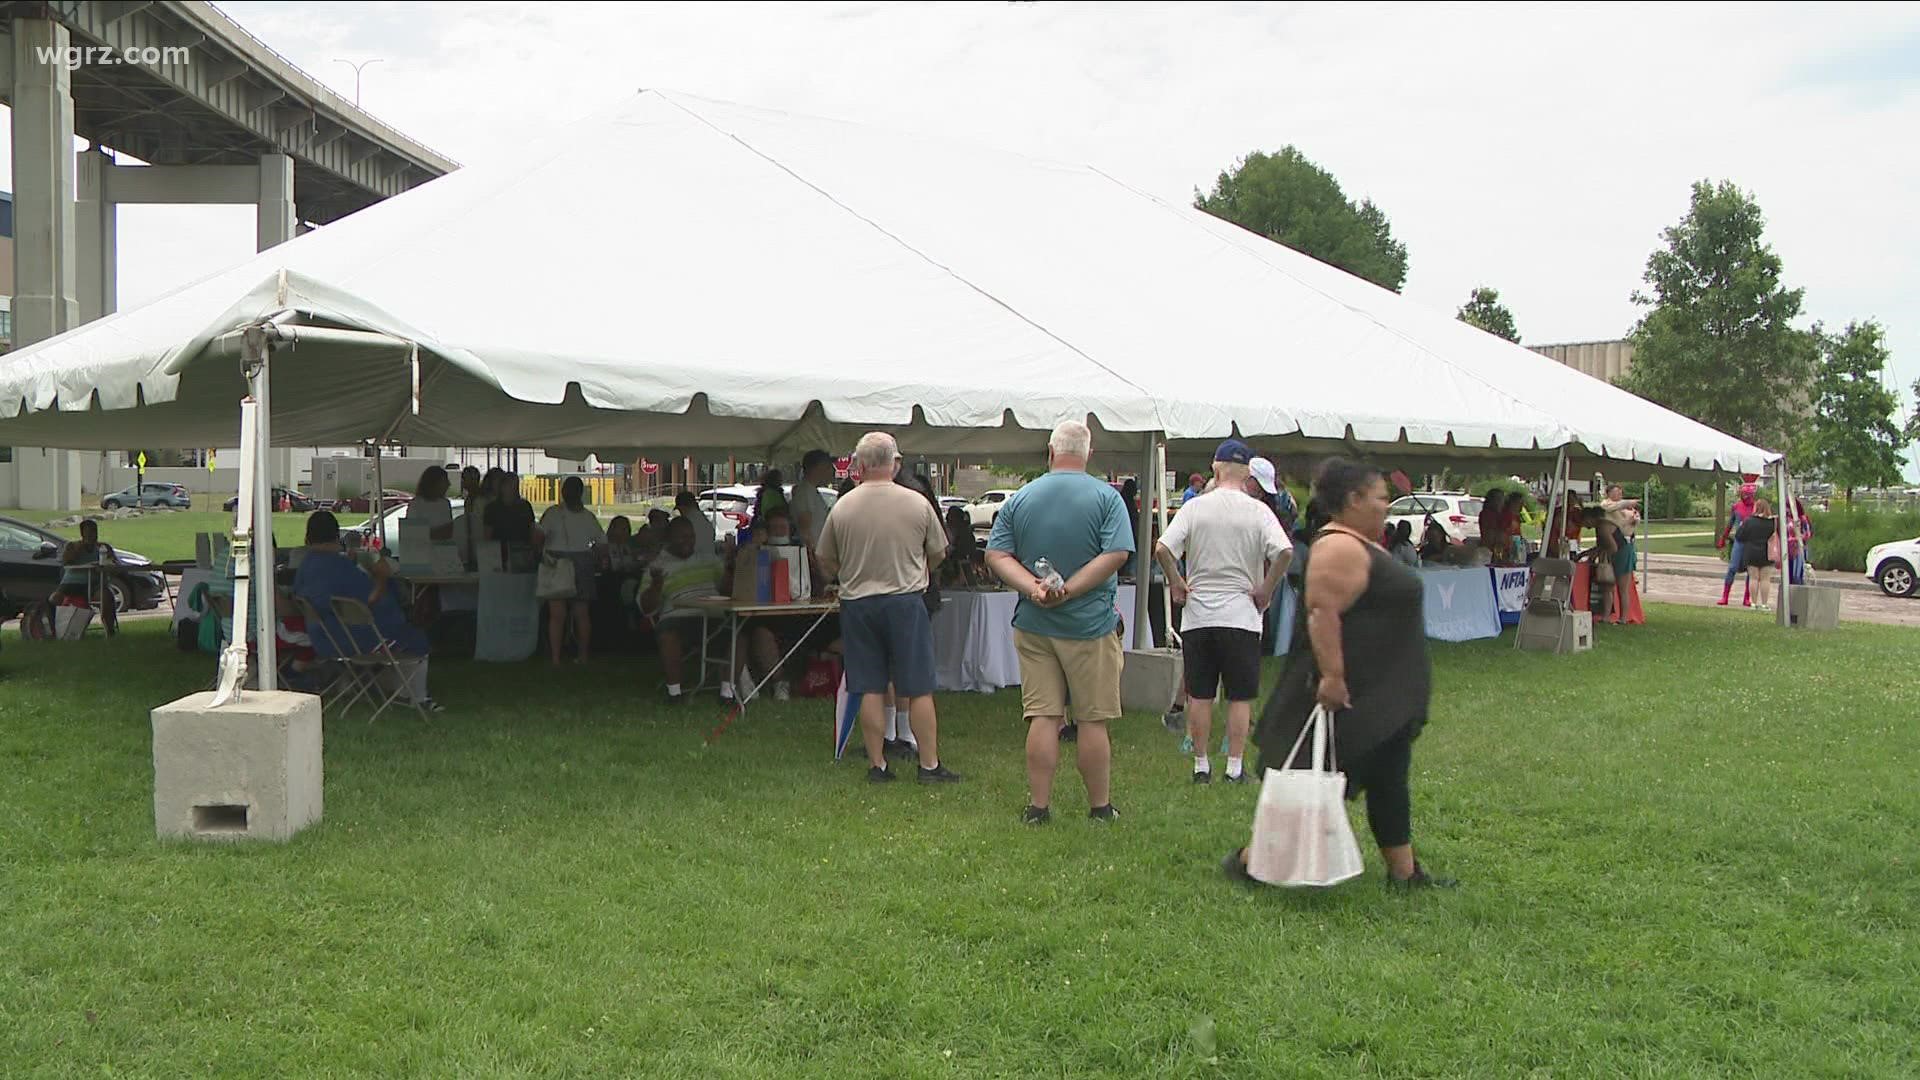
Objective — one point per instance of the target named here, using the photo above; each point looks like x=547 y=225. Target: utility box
x=249 y=770
x=1151 y=679
x=1812 y=608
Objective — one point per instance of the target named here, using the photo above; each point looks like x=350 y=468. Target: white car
x=390 y=525
x=730 y=508
x=1457 y=512
x=1895 y=567
x=984 y=509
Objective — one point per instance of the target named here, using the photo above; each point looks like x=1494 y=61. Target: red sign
x=650 y=467
x=841 y=466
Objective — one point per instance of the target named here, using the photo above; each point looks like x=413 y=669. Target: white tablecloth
x=973 y=640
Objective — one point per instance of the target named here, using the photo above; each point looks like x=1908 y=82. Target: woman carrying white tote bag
x=1358 y=684
x=1301 y=835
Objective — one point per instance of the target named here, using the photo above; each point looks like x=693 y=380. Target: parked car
x=948 y=502
x=360 y=504
x=730 y=508
x=295 y=501
x=171 y=495
x=1457 y=512
x=389 y=532
x=984 y=509
x=1895 y=567
x=30 y=570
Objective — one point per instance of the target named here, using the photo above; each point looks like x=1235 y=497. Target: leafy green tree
x=1719 y=344
x=1484 y=310
x=1913 y=422
x=1853 y=439
x=1288 y=199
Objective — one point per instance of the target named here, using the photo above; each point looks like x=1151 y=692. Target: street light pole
x=357 y=68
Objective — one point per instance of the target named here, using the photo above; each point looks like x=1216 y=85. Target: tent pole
x=1553 y=503
x=266 y=643
x=1782 y=520
x=1162 y=496
x=1143 y=549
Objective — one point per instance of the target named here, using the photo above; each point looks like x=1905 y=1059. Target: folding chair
x=369 y=664
x=345 y=678
x=1548 y=623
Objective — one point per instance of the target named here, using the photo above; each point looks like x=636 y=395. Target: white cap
x=1262 y=470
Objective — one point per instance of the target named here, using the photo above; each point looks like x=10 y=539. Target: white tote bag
x=1301 y=835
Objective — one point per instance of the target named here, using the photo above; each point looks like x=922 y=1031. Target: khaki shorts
x=1054 y=669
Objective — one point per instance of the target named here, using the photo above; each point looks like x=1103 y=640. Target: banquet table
x=973 y=639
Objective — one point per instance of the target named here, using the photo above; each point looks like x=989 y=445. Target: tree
x=1484 y=310
x=1913 y=422
x=1853 y=440
x=1719 y=344
x=1290 y=200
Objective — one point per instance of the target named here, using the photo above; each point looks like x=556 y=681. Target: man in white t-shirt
x=807 y=508
x=1236 y=555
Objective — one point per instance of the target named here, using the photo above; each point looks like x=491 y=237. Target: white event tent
x=677 y=273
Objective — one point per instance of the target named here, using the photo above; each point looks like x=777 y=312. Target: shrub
x=1842 y=538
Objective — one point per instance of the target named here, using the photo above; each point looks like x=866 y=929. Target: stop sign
x=841 y=467
x=649 y=467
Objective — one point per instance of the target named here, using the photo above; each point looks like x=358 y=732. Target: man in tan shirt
x=884 y=541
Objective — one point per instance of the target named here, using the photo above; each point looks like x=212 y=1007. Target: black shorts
x=1220 y=654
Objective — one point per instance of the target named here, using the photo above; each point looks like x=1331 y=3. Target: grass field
x=1685 y=854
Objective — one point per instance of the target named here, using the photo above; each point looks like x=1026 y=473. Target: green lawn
x=1687 y=853
x=164 y=536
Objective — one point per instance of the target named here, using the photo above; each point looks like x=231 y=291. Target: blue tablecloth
x=1460 y=604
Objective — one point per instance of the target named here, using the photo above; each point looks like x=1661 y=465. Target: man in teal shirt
x=1065 y=635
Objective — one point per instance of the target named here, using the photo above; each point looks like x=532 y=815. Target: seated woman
x=430 y=505
x=681 y=574
x=327 y=572
x=963 y=550
x=1402 y=548
x=76 y=580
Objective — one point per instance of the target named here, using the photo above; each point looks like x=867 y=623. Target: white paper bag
x=799 y=579
x=1301 y=835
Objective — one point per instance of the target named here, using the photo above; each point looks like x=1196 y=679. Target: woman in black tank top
x=1361 y=652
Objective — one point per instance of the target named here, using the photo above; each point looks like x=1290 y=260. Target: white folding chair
x=371 y=663
x=345 y=677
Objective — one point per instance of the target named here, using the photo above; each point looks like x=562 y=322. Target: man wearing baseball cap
x=1236 y=555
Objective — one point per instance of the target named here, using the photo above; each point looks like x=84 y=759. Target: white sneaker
x=726 y=691
x=782 y=692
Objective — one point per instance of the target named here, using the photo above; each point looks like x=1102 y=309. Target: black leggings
x=1382 y=774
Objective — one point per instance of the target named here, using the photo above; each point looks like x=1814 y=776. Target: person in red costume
x=1736 y=560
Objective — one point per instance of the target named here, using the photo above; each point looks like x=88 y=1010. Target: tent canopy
x=683 y=274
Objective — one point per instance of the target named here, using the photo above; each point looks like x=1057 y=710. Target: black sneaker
x=939 y=774
x=893 y=748
x=679 y=699
x=1175 y=720
x=1104 y=813
x=1235 y=869
x=1070 y=733
x=1241 y=779
x=1420 y=880
x=1204 y=776
x=1036 y=815
x=878 y=775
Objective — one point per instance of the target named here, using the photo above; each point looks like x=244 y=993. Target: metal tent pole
x=1553 y=503
x=266 y=643
x=1143 y=548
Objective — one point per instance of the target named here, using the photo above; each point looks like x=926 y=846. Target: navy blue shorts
x=887 y=639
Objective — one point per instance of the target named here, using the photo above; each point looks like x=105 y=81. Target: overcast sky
x=1539 y=149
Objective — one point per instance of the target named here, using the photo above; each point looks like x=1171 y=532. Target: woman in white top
x=430 y=506
x=571 y=532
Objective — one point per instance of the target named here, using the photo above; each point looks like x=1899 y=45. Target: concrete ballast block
x=249 y=770
x=1813 y=608
x=1150 y=679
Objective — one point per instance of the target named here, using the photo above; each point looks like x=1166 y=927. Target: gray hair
x=876 y=450
x=1071 y=439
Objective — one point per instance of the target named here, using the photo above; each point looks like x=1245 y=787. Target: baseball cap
x=1262 y=470
x=1234 y=452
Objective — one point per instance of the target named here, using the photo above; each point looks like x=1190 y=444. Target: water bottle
x=1048 y=576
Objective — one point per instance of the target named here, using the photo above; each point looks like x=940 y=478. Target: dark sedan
x=295 y=501
x=30 y=570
